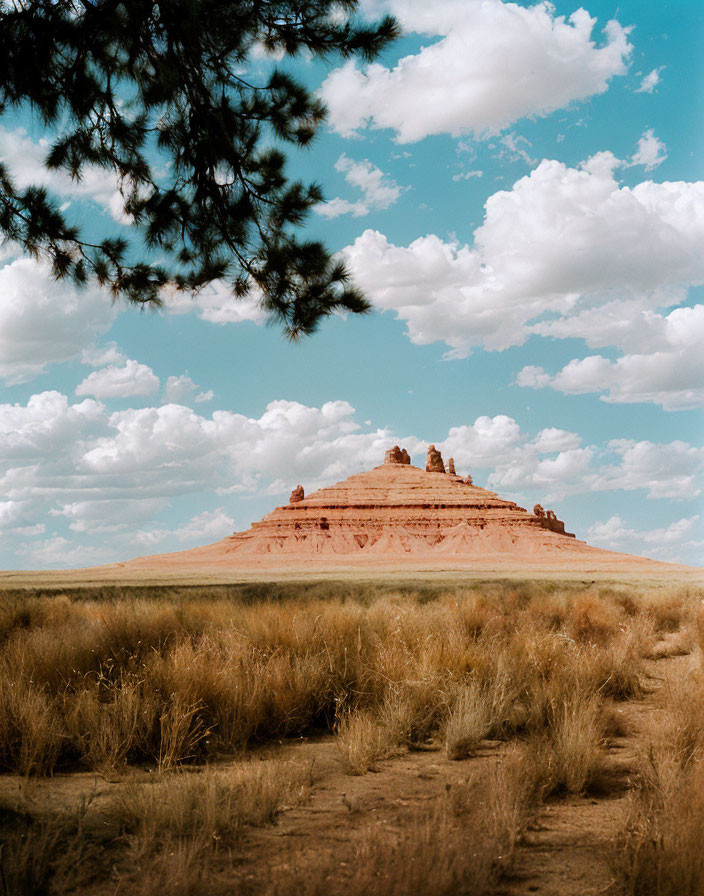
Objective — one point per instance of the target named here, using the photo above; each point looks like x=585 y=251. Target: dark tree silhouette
x=158 y=94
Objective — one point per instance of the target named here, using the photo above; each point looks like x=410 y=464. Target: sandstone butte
x=398 y=516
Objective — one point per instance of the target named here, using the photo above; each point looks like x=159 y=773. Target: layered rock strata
x=398 y=509
x=397 y=517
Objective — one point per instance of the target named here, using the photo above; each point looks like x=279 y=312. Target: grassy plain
x=404 y=737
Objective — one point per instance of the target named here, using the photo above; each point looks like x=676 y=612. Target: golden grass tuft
x=660 y=851
x=166 y=681
x=49 y=854
x=213 y=803
x=568 y=756
x=468 y=722
x=164 y=830
x=363 y=741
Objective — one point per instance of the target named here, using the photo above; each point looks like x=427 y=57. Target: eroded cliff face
x=399 y=509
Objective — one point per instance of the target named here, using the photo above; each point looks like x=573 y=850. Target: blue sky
x=519 y=190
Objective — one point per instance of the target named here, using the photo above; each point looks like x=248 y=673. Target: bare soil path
x=566 y=850
x=343 y=810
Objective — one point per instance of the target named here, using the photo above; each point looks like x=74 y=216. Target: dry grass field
x=478 y=738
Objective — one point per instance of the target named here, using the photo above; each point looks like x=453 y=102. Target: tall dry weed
x=31 y=733
x=109 y=683
x=568 y=756
x=112 y=722
x=51 y=854
x=214 y=803
x=660 y=851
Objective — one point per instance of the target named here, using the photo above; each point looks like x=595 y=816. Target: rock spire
x=397 y=455
x=433 y=461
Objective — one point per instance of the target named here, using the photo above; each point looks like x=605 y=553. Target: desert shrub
x=164 y=830
x=411 y=711
x=53 y=854
x=679 y=643
x=219 y=675
x=53 y=657
x=615 y=671
x=213 y=803
x=698 y=622
x=592 y=620
x=681 y=733
x=474 y=613
x=27 y=611
x=660 y=850
x=174 y=826
x=673 y=608
x=114 y=682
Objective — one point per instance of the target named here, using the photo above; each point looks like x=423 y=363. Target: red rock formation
x=551 y=522
x=397 y=509
x=297 y=495
x=396 y=517
x=451 y=467
x=397 y=455
x=433 y=462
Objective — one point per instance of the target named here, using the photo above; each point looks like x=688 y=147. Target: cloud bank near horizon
x=109 y=475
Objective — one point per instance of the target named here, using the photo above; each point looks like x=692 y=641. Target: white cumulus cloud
x=468 y=175
x=132 y=378
x=217 y=304
x=666 y=366
x=206 y=527
x=45 y=322
x=662 y=542
x=99 y=516
x=101 y=355
x=651 y=151
x=650 y=81
x=378 y=191
x=565 y=253
x=491 y=63
x=181 y=389
x=666 y=470
x=25 y=160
